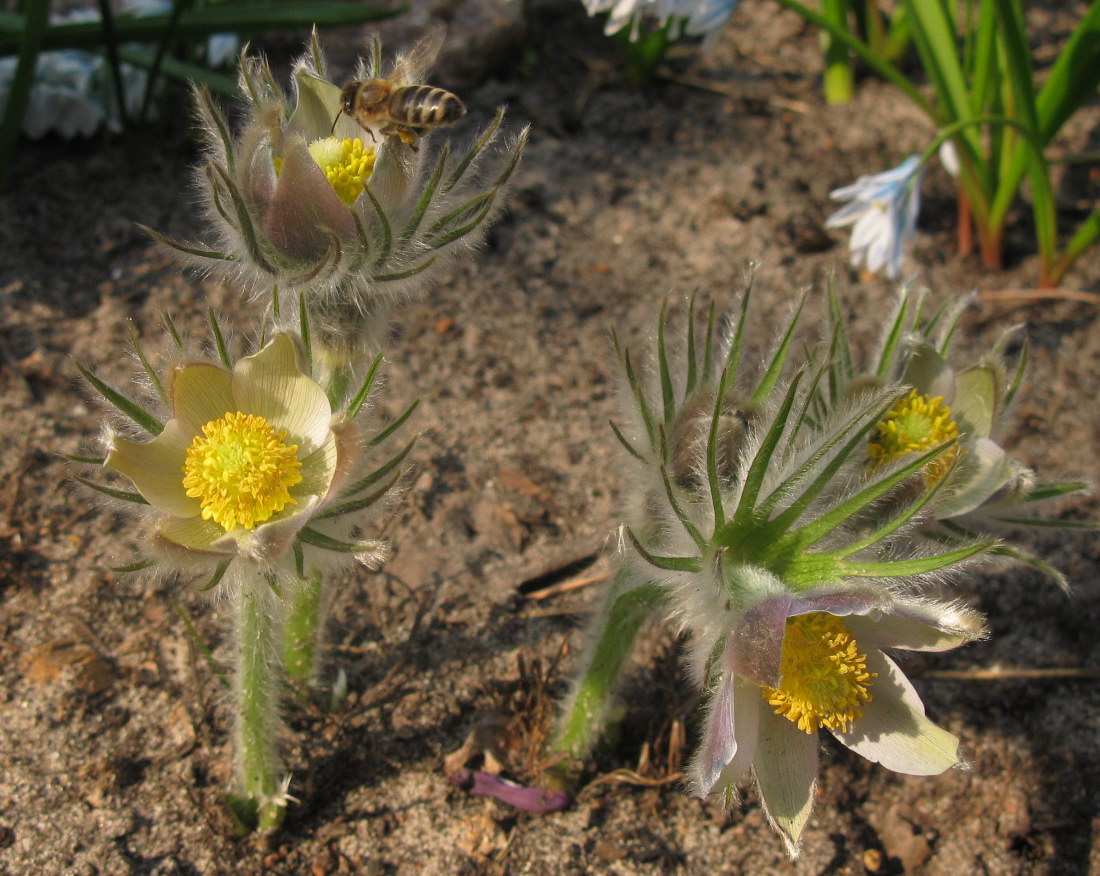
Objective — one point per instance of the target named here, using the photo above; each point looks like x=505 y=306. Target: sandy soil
x=114 y=734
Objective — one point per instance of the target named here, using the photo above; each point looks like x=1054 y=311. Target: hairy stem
x=303 y=629
x=586 y=714
x=258 y=790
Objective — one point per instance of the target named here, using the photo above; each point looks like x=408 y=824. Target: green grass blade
x=29 y=31
x=197 y=23
x=622 y=440
x=689 y=380
x=877 y=63
x=360 y=504
x=328 y=543
x=689 y=527
x=150 y=373
x=427 y=194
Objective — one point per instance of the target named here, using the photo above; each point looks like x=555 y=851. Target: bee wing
x=412 y=66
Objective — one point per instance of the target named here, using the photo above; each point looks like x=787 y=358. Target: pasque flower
x=986 y=491
x=307 y=198
x=252 y=466
x=758 y=525
x=259 y=482
x=883 y=210
x=795 y=662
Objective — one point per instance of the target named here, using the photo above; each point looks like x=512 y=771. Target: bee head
x=347 y=98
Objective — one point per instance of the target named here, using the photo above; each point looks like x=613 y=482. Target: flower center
x=240 y=471
x=823 y=678
x=346 y=164
x=915 y=424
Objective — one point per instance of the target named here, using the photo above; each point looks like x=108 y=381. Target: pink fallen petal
x=483 y=784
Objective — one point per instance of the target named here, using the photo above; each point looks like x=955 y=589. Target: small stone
x=901 y=840
x=608 y=852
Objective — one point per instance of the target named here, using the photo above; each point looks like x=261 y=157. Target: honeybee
x=407 y=111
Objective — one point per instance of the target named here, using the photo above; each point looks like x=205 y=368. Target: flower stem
x=586 y=715
x=839 y=81
x=303 y=628
x=258 y=794
x=991 y=244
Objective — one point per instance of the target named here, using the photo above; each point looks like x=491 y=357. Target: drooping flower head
x=796 y=662
x=307 y=198
x=780 y=551
x=883 y=209
x=252 y=465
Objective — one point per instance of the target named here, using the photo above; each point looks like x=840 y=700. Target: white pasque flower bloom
x=785 y=557
x=883 y=209
x=249 y=467
x=798 y=661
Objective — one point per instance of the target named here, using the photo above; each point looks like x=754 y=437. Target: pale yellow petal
x=270 y=384
x=785 y=765
x=194 y=534
x=156 y=469
x=200 y=392
x=317 y=469
x=893 y=730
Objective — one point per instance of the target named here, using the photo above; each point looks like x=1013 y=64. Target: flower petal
x=305 y=210
x=748 y=703
x=719 y=743
x=929 y=373
x=272 y=385
x=156 y=468
x=785 y=767
x=841 y=601
x=893 y=730
x=267 y=543
x=982 y=471
x=194 y=534
x=317 y=470
x=977 y=401
x=915 y=625
x=755 y=645
x=529 y=799
x=317 y=106
x=200 y=392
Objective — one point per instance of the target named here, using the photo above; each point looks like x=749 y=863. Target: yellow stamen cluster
x=915 y=424
x=824 y=678
x=241 y=471
x=346 y=163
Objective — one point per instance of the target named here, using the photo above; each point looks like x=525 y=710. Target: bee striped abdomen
x=425 y=106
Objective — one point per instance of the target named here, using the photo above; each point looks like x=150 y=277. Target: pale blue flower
x=883 y=209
